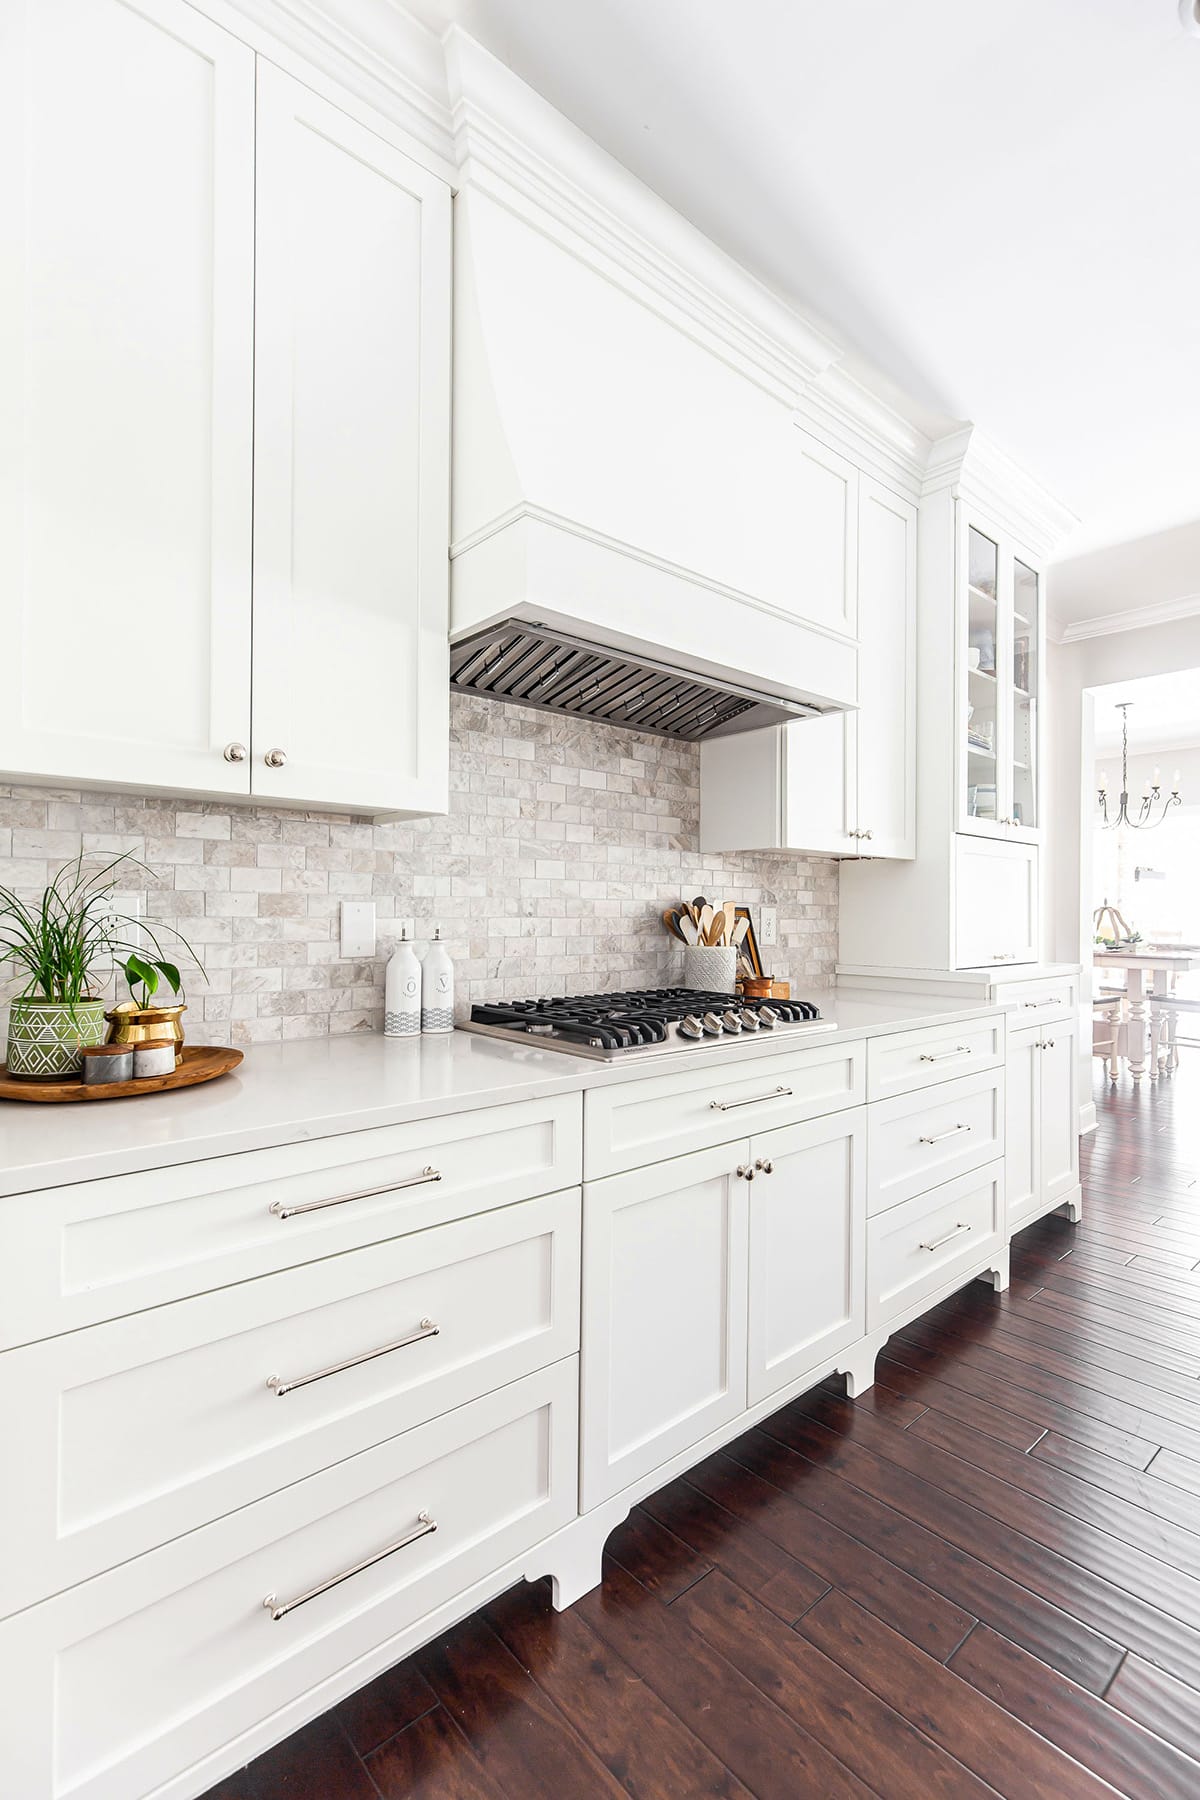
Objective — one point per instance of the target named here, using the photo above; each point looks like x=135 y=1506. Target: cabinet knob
x=235 y=753
x=275 y=759
x=868 y=834
x=744 y=1173
x=766 y=1165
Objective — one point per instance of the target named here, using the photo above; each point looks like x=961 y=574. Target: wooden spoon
x=730 y=912
x=739 y=931
x=671 y=920
x=688 y=930
x=705 y=923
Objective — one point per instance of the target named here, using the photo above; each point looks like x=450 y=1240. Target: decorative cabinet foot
x=998 y=1273
x=574 y=1559
x=859 y=1365
x=1074 y=1209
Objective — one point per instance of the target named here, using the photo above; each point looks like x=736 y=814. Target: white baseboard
x=1087 y=1118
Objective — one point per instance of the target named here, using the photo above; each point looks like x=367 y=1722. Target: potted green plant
x=139 y=1020
x=62 y=948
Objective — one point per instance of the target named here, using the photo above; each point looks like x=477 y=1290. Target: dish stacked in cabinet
x=273 y=1409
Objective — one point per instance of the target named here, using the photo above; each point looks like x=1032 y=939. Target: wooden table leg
x=1138 y=1022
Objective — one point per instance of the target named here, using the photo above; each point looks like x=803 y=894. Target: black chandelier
x=1152 y=794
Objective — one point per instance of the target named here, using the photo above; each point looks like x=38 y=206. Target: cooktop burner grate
x=610 y=1024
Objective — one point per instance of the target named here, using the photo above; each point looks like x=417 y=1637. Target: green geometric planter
x=46 y=1036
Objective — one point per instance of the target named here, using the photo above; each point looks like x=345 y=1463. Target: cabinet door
x=820 y=761
x=826 y=537
x=1022 y=1107
x=351 y=463
x=664 y=1320
x=885 y=723
x=807 y=1247
x=1060 y=1113
x=126 y=320
x=995 y=902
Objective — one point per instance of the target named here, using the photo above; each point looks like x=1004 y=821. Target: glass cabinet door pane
x=983 y=570
x=1026 y=681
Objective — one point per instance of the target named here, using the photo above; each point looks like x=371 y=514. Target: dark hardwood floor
x=982 y=1578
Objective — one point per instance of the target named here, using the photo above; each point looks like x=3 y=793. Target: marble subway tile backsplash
x=563 y=844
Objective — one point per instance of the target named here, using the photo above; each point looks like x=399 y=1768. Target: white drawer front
x=147 y=1427
x=915 y=1249
x=1029 y=1002
x=633 y=1123
x=920 y=1139
x=135 y=1676
x=99 y=1249
x=915 y=1059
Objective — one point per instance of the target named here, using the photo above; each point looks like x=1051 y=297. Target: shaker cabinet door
x=664 y=1313
x=1060 y=1112
x=1022 y=1125
x=351 y=463
x=126 y=339
x=807 y=1247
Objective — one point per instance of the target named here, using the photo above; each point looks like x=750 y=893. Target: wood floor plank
x=939 y=1396
x=522 y=1741
x=429 y=1760
x=1148 y=1489
x=770 y=1753
x=316 y=1762
x=786 y=1586
x=1138 y=1764
x=865 y=1732
x=1163 y=1705
x=1011 y=1758
x=390 y=1703
x=1181 y=1471
x=663 y=1562
x=928 y=1615
x=977 y=1584
x=637 y=1738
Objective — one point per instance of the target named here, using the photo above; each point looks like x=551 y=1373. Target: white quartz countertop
x=287 y=1093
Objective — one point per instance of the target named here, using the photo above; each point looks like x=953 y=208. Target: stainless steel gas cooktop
x=642 y=1021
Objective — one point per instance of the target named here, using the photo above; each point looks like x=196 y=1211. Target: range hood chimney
x=626 y=463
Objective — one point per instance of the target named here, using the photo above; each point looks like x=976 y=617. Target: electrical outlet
x=358 y=928
x=768 y=920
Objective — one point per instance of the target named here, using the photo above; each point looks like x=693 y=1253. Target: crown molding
x=1133 y=618
x=972 y=466
x=386 y=59
x=514 y=146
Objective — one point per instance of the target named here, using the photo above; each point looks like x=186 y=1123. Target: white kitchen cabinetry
x=664 y=1315
x=217 y=317
x=351 y=453
x=1042 y=1159
x=826 y=536
x=843 y=784
x=126 y=339
x=1001 y=657
x=807 y=1247
x=995 y=902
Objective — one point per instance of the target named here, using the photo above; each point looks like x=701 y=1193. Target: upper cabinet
x=843 y=784
x=351 y=463
x=126 y=343
x=224 y=490
x=1000 y=644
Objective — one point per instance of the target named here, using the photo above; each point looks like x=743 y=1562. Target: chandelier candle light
x=1152 y=794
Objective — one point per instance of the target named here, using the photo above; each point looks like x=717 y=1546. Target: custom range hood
x=628 y=508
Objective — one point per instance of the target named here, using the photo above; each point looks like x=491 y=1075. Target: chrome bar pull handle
x=947 y=1055
x=426 y=1329
x=279 y=1609
x=943 y=1135
x=282 y=1211
x=750 y=1100
x=952 y=1233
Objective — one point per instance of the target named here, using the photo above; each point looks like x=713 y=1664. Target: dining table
x=1139 y=963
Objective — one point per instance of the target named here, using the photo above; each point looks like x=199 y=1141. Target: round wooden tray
x=201 y=1062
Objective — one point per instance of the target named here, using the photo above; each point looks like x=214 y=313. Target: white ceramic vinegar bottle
x=437 y=987
x=402 y=991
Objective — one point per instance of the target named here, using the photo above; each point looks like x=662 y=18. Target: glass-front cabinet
x=999 y=684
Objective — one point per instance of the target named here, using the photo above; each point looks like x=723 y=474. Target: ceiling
x=993 y=202
x=1164 y=713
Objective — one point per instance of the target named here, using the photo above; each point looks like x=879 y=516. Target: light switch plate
x=769 y=922
x=358 y=928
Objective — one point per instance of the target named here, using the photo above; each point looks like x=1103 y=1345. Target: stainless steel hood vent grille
x=533 y=665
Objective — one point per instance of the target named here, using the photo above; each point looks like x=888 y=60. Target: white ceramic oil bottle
x=402 y=991
x=437 y=987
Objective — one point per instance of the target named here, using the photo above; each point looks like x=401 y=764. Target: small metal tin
x=153 y=1059
x=105 y=1062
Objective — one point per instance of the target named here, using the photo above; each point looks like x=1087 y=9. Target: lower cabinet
x=917 y=1249
x=116 y=1686
x=807 y=1247
x=1042 y=1122
x=664 y=1312
x=710 y=1282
